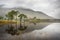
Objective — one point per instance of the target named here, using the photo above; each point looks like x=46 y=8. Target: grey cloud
x=49 y=7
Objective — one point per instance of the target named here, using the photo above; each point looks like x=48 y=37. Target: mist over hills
x=29 y=12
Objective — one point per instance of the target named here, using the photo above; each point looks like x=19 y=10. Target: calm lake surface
x=31 y=27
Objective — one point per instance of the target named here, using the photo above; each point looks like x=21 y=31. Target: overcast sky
x=50 y=7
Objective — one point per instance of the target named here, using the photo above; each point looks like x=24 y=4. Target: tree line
x=14 y=14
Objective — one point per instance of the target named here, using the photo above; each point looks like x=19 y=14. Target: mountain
x=28 y=12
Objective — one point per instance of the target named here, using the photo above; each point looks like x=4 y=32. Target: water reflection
x=28 y=31
x=50 y=32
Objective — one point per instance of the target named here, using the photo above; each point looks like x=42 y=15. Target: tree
x=10 y=29
x=15 y=13
x=1 y=17
x=34 y=20
x=22 y=18
x=9 y=17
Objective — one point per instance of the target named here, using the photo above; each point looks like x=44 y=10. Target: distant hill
x=28 y=12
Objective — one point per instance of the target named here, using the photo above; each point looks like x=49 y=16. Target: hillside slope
x=28 y=12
